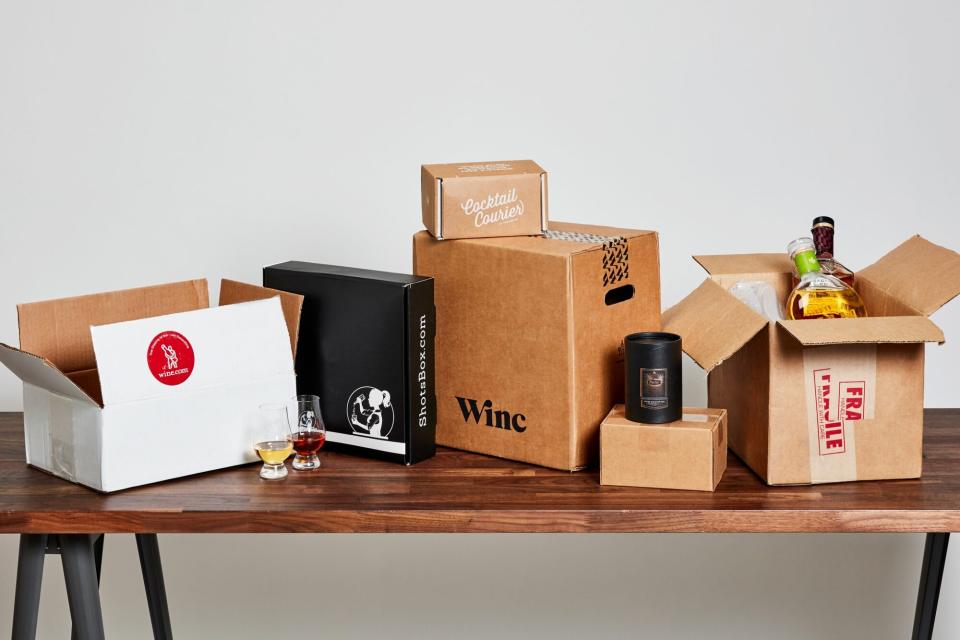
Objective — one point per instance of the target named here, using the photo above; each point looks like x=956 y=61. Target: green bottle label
x=806 y=262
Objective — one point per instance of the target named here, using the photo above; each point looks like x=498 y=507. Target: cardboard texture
x=814 y=401
x=133 y=387
x=530 y=336
x=688 y=454
x=232 y=292
x=366 y=349
x=484 y=199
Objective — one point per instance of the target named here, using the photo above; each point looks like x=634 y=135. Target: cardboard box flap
x=712 y=323
x=481 y=169
x=920 y=273
x=893 y=330
x=232 y=292
x=183 y=352
x=59 y=330
x=717 y=265
x=41 y=373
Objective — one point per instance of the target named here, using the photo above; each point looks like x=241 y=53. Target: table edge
x=488 y=521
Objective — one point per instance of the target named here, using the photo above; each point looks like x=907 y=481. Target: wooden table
x=463 y=492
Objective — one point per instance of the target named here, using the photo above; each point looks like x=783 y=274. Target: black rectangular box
x=366 y=349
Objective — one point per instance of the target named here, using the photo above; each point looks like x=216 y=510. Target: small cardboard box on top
x=830 y=400
x=484 y=199
x=690 y=453
x=132 y=387
x=530 y=336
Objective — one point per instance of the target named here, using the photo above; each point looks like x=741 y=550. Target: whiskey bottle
x=819 y=294
x=822 y=232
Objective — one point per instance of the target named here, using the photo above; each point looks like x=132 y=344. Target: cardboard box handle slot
x=618 y=294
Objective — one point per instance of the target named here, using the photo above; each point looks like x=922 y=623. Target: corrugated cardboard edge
x=49 y=364
x=878 y=330
x=438 y=207
x=232 y=292
x=721 y=455
x=543 y=202
x=572 y=374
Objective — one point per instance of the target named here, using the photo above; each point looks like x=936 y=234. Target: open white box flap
x=879 y=330
x=41 y=373
x=176 y=353
x=712 y=323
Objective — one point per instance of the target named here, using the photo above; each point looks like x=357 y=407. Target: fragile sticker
x=840 y=383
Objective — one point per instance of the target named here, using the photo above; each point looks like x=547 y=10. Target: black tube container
x=654 y=377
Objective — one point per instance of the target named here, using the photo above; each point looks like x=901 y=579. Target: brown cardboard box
x=688 y=454
x=484 y=199
x=530 y=333
x=815 y=401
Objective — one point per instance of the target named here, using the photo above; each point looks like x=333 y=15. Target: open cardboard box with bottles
x=830 y=400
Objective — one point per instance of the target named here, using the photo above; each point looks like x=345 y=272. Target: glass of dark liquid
x=308 y=433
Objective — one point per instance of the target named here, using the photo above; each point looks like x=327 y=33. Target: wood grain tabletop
x=464 y=492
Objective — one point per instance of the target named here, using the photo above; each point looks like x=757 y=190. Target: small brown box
x=484 y=199
x=530 y=336
x=688 y=454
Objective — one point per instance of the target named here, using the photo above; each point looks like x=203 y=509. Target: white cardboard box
x=133 y=387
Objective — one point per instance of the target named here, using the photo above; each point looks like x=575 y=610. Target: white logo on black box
x=370 y=412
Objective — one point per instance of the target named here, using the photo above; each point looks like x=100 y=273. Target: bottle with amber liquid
x=819 y=294
x=822 y=232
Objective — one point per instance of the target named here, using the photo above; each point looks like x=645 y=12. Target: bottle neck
x=823 y=240
x=806 y=262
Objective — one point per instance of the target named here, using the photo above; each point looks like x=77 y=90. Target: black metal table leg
x=98 y=560
x=83 y=593
x=152 y=570
x=934 y=557
x=26 y=603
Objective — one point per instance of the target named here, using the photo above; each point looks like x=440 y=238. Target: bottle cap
x=825 y=221
x=800 y=245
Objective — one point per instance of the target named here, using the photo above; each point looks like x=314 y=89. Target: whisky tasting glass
x=308 y=433
x=275 y=421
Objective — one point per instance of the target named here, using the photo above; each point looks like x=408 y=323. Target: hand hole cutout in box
x=618 y=294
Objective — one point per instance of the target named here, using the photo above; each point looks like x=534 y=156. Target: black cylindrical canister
x=654 y=382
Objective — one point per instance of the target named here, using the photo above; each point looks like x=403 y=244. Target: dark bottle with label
x=822 y=231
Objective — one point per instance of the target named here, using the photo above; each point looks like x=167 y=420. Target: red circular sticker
x=170 y=358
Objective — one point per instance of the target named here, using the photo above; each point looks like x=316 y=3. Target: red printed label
x=837 y=404
x=170 y=358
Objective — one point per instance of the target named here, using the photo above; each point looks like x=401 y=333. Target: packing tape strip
x=616 y=252
x=840 y=385
x=63 y=459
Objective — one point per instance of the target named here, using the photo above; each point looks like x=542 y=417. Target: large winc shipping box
x=366 y=349
x=131 y=387
x=530 y=333
x=814 y=401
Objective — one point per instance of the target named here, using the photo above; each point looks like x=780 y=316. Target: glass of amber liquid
x=278 y=447
x=308 y=433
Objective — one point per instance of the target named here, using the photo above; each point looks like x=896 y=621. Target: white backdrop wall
x=149 y=142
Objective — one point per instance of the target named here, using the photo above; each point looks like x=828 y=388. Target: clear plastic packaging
x=759 y=296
